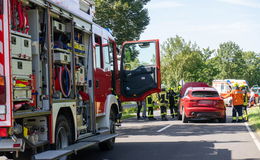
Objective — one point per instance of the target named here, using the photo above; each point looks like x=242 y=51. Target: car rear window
x=205 y=94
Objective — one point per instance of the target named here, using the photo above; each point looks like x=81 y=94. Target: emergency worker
x=163 y=103
x=171 y=97
x=238 y=102
x=245 y=104
x=150 y=105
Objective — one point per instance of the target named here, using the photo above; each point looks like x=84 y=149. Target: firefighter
x=171 y=97
x=245 y=104
x=238 y=102
x=163 y=103
x=150 y=105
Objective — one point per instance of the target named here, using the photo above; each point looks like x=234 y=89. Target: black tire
x=184 y=118
x=63 y=134
x=179 y=116
x=109 y=144
x=222 y=120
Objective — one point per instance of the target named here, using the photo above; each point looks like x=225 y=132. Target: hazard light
x=3 y=132
x=2 y=90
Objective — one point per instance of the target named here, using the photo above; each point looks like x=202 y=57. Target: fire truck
x=62 y=78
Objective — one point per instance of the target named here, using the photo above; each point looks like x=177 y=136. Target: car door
x=139 y=70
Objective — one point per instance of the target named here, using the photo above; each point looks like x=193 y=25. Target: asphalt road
x=170 y=140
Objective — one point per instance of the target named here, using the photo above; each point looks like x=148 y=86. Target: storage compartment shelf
x=29 y=113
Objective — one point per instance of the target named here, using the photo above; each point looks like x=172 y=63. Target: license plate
x=205 y=102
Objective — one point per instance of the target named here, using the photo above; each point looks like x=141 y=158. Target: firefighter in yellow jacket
x=163 y=103
x=150 y=103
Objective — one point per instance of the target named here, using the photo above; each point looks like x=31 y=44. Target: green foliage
x=126 y=18
x=185 y=60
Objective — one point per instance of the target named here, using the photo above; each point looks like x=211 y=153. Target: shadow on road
x=158 y=150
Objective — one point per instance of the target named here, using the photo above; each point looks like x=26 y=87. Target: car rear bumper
x=205 y=113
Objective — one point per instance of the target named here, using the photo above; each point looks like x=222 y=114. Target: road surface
x=169 y=140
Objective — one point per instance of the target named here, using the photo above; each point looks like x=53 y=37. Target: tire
x=184 y=118
x=109 y=144
x=179 y=116
x=222 y=120
x=63 y=136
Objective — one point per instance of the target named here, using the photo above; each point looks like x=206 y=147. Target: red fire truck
x=61 y=80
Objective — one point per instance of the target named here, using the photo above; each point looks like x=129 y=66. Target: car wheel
x=222 y=120
x=109 y=144
x=179 y=116
x=184 y=118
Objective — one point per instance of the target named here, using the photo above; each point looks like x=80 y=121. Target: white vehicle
x=225 y=86
x=59 y=78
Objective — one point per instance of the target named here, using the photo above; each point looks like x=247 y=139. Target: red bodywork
x=202 y=107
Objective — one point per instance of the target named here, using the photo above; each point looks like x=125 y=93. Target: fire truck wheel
x=62 y=134
x=109 y=144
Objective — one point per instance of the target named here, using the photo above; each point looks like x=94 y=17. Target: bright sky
x=206 y=22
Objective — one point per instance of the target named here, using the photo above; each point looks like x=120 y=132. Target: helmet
x=242 y=85
x=236 y=85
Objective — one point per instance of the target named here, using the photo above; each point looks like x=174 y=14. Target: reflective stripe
x=150 y=116
x=240 y=117
x=162 y=114
x=234 y=118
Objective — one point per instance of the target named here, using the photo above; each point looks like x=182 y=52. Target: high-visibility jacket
x=245 y=99
x=162 y=98
x=237 y=97
x=149 y=101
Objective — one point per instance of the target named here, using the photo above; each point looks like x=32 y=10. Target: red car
x=199 y=103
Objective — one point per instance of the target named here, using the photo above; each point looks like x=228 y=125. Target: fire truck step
x=52 y=154
x=100 y=138
x=79 y=146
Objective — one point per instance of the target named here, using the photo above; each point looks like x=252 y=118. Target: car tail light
x=3 y=132
x=220 y=104
x=193 y=103
x=2 y=90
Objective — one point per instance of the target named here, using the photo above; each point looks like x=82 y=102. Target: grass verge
x=129 y=113
x=254 y=118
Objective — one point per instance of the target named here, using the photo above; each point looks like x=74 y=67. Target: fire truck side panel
x=5 y=69
x=61 y=108
x=110 y=104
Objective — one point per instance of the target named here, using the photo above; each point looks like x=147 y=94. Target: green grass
x=254 y=118
x=126 y=116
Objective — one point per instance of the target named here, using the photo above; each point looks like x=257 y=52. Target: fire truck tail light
x=2 y=90
x=16 y=145
x=3 y=132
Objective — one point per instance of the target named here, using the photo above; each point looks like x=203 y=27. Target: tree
x=184 y=60
x=229 y=61
x=126 y=18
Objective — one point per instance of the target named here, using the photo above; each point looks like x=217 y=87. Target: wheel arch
x=110 y=104
x=69 y=111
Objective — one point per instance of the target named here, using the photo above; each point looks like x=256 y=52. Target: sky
x=206 y=22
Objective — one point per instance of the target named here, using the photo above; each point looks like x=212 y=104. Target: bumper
x=205 y=113
x=9 y=145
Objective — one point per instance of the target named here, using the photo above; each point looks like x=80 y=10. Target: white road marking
x=253 y=136
x=164 y=128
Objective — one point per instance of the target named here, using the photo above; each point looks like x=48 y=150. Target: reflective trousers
x=163 y=111
x=150 y=112
x=173 y=110
x=237 y=110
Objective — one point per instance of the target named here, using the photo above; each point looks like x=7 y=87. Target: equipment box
x=80 y=76
x=21 y=46
x=61 y=57
x=21 y=67
x=22 y=94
